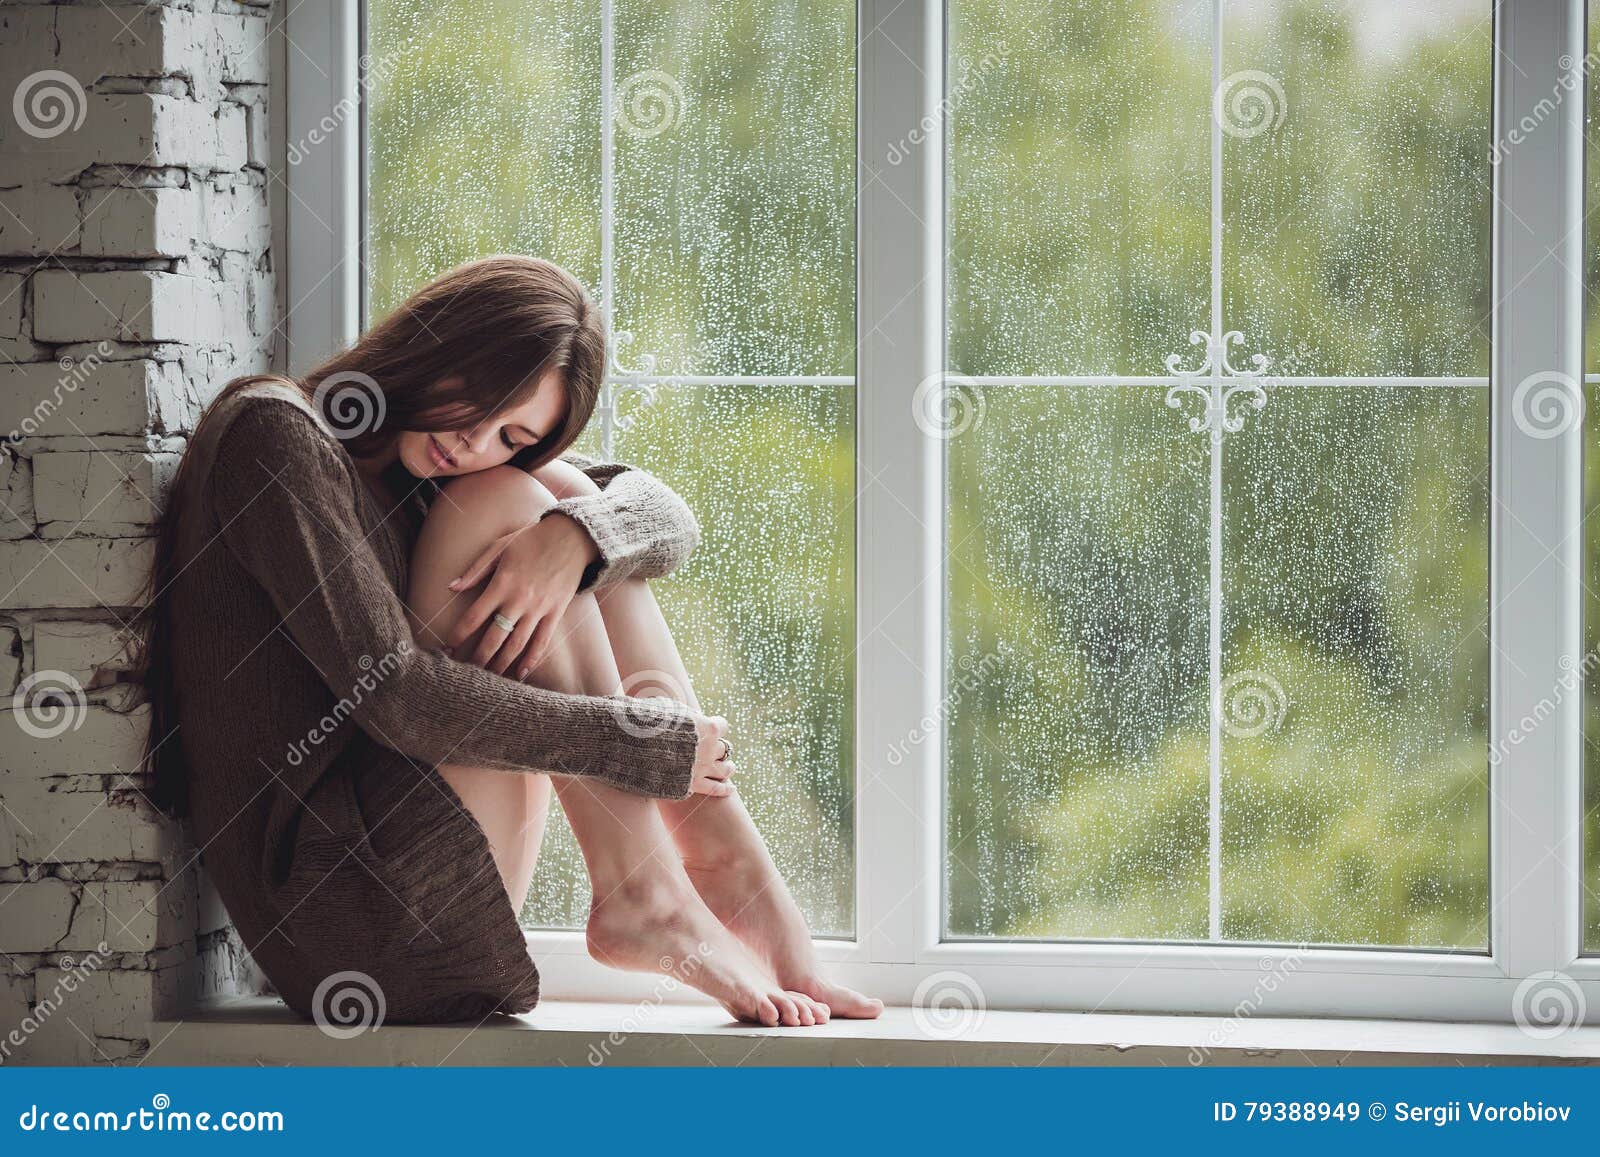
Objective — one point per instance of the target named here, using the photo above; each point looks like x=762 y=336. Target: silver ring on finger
x=505 y=624
x=727 y=749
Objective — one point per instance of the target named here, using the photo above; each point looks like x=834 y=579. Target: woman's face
x=444 y=454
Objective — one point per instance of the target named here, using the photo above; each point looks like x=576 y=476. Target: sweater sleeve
x=640 y=525
x=282 y=492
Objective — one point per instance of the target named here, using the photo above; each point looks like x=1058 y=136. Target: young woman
x=388 y=617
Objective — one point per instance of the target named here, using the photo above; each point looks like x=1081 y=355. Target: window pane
x=1077 y=668
x=1078 y=208
x=736 y=184
x=1302 y=651
x=764 y=617
x=1355 y=785
x=733 y=255
x=1358 y=183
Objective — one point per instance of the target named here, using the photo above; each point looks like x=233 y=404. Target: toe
x=802 y=1006
x=767 y=1012
x=787 y=1013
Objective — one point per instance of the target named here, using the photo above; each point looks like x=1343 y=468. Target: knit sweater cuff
x=653 y=747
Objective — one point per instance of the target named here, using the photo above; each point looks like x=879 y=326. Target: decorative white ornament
x=1223 y=383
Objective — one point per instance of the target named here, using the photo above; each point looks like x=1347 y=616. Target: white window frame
x=1536 y=534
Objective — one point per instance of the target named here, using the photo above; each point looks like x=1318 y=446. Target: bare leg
x=646 y=915
x=722 y=850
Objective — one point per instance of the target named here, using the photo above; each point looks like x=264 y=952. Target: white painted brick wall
x=135 y=278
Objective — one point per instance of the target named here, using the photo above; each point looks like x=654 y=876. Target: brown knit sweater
x=311 y=724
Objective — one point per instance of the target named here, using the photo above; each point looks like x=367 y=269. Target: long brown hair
x=474 y=341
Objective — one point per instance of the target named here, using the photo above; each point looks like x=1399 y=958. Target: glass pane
x=735 y=154
x=1077 y=667
x=1357 y=184
x=764 y=617
x=483 y=132
x=1355 y=780
x=1079 y=210
x=734 y=255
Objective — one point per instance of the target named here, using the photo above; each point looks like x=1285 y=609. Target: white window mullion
x=1536 y=531
x=899 y=475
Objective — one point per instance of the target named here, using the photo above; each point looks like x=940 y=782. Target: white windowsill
x=577 y=1034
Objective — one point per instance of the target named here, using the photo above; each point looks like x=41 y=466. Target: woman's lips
x=440 y=458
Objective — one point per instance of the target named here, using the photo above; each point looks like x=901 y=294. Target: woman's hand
x=536 y=571
x=713 y=768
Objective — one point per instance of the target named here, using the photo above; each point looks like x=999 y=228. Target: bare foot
x=653 y=923
x=749 y=896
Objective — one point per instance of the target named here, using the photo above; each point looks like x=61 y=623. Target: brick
x=10 y=661
x=93 y=489
x=38 y=219
x=74 y=740
x=134 y=305
x=77 y=826
x=92 y=653
x=153 y=222
x=74 y=572
x=16 y=496
x=106 y=1001
x=13 y=287
x=130 y=128
x=238 y=219
x=35 y=917
x=92 y=395
x=133 y=916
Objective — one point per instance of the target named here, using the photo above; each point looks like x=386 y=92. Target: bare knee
x=565 y=480
x=472 y=511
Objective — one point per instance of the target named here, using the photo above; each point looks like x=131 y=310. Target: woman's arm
x=640 y=525
x=283 y=496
